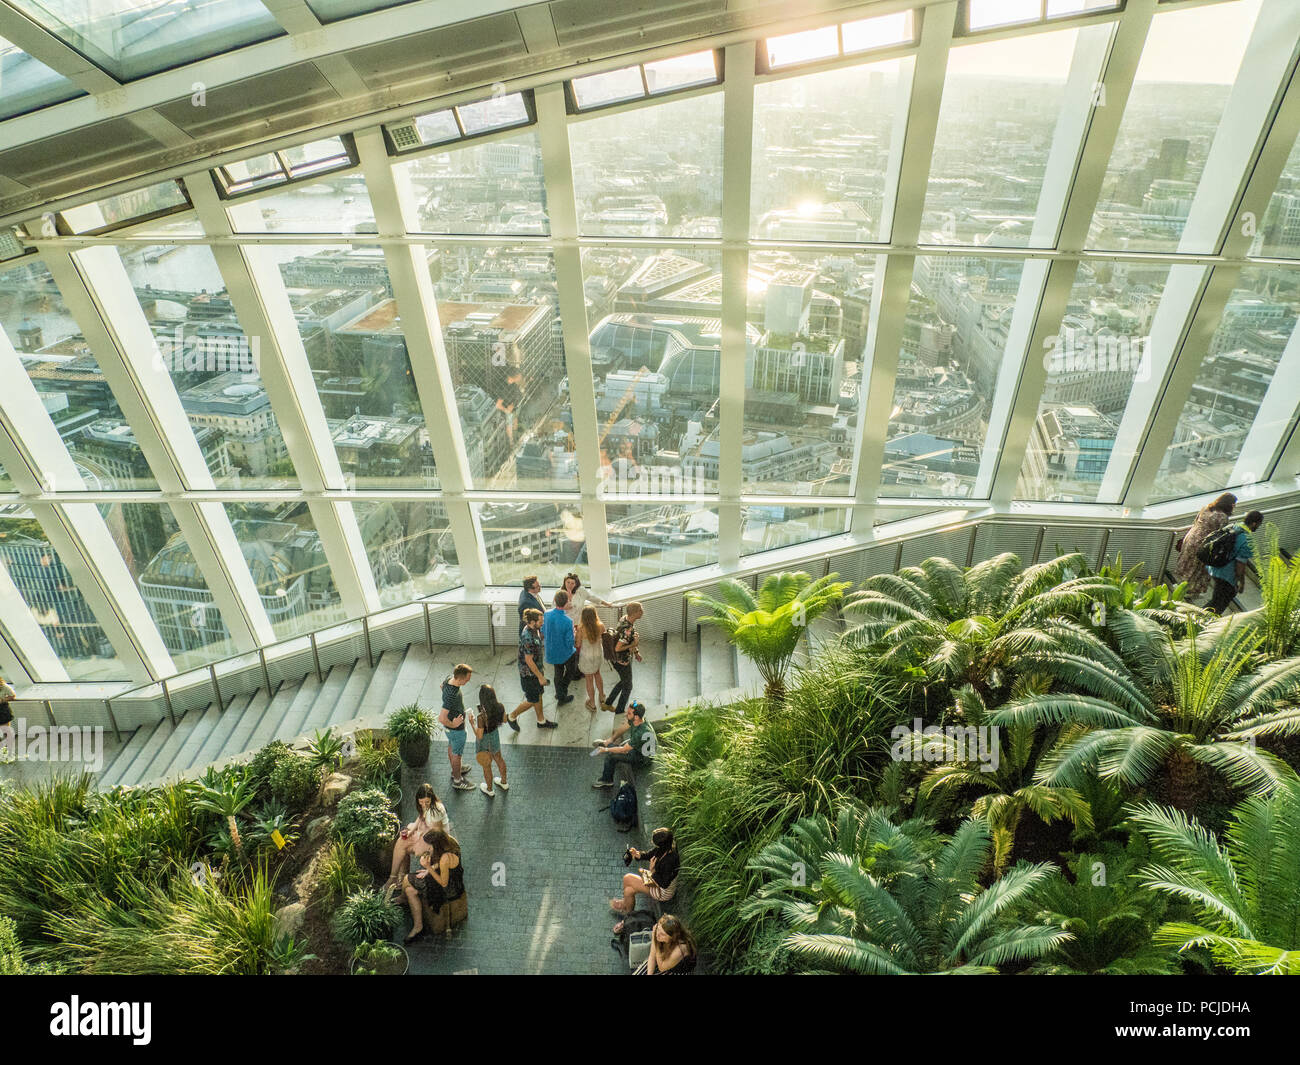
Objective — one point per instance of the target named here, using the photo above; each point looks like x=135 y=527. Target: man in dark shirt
x=530 y=598
x=452 y=719
x=531 y=678
x=636 y=749
x=626 y=647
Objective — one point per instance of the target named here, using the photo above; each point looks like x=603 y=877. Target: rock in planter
x=289 y=919
x=336 y=786
x=318 y=828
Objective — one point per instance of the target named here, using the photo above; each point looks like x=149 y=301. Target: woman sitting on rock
x=440 y=880
x=430 y=814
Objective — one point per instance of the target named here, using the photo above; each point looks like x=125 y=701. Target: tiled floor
x=541 y=863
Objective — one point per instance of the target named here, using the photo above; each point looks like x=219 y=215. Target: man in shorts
x=531 y=678
x=452 y=719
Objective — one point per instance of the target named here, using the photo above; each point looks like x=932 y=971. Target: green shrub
x=410 y=723
x=340 y=875
x=326 y=749
x=295 y=782
x=11 y=953
x=378 y=761
x=364 y=917
x=264 y=763
x=364 y=821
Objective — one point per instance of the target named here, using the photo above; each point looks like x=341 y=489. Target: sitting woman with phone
x=430 y=814
x=659 y=881
x=440 y=880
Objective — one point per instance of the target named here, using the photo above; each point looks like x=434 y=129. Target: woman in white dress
x=591 y=653
x=579 y=597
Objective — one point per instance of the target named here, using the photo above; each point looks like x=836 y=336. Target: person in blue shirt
x=1230 y=578
x=530 y=598
x=561 y=647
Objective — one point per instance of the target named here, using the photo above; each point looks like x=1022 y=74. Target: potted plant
x=365 y=821
x=380 y=958
x=412 y=727
x=364 y=917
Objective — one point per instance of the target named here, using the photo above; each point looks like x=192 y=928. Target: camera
x=627 y=856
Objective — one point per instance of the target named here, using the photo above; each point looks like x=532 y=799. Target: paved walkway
x=541 y=863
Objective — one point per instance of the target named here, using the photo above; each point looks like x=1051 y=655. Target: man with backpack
x=1225 y=555
x=637 y=748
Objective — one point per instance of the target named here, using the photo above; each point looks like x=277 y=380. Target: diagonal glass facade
x=649 y=324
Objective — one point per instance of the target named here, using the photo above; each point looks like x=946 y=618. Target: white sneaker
x=501 y=784
x=486 y=791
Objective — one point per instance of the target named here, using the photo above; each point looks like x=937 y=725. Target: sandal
x=618 y=928
x=589 y=705
x=416 y=935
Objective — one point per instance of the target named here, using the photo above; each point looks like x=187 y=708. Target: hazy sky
x=1203 y=44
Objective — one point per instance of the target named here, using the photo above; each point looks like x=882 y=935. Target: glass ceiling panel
x=654 y=171
x=808 y=326
x=48 y=591
x=70 y=383
x=214 y=366
x=1001 y=105
x=1228 y=399
x=27 y=83
x=656 y=355
x=493 y=186
x=333 y=10
x=1279 y=233
x=333 y=205
x=505 y=347
x=1092 y=365
x=135 y=38
x=1188 y=66
x=821 y=154
x=353 y=336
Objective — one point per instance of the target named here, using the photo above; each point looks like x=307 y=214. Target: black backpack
x=1217 y=550
x=636 y=921
x=622 y=807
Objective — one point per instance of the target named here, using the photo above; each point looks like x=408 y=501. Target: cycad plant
x=1003 y=779
x=984 y=626
x=766 y=626
x=1278 y=619
x=1241 y=887
x=869 y=897
x=1207 y=705
x=1112 y=916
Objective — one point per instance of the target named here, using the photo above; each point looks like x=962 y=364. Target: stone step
x=176 y=740
x=382 y=678
x=322 y=710
x=124 y=765
x=237 y=736
x=348 y=705
x=199 y=735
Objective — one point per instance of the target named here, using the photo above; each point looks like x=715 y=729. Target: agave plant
x=766 y=626
x=985 y=626
x=870 y=897
x=226 y=797
x=1241 y=888
x=1004 y=775
x=326 y=748
x=1207 y=704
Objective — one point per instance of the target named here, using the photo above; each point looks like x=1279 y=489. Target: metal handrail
x=364 y=619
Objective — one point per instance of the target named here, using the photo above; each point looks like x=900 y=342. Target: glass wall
x=171 y=584
x=1092 y=366
x=650 y=539
x=522 y=539
x=55 y=602
x=765 y=528
x=1227 y=398
x=409 y=547
x=821 y=154
x=954 y=341
x=72 y=387
x=1186 y=72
